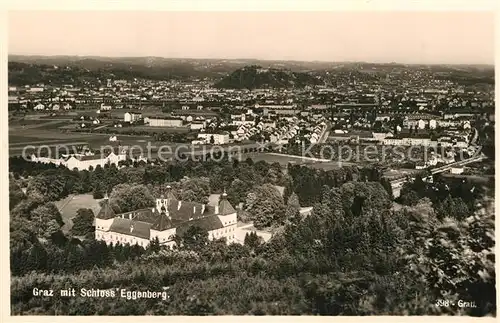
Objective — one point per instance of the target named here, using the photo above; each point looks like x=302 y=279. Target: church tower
x=226 y=212
x=163 y=228
x=104 y=219
x=162 y=203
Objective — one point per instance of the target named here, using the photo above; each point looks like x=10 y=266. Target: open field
x=326 y=166
x=66 y=117
x=91 y=110
x=21 y=141
x=48 y=132
x=27 y=136
x=396 y=173
x=148 y=129
x=70 y=205
x=15 y=123
x=18 y=139
x=282 y=160
x=21 y=124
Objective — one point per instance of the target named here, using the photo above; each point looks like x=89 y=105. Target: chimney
x=179 y=205
x=194 y=209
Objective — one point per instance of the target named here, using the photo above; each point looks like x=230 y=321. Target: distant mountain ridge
x=255 y=76
x=225 y=73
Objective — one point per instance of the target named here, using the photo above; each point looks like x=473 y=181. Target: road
x=324 y=135
x=441 y=169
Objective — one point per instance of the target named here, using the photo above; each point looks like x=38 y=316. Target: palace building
x=84 y=160
x=169 y=217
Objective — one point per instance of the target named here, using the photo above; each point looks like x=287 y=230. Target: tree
x=98 y=192
x=83 y=222
x=47 y=187
x=292 y=211
x=238 y=191
x=125 y=198
x=388 y=187
x=16 y=194
x=409 y=198
x=194 y=237
x=195 y=190
x=133 y=175
x=453 y=207
x=154 y=245
x=47 y=220
x=267 y=208
x=22 y=233
x=372 y=195
x=252 y=240
x=454 y=259
x=37 y=257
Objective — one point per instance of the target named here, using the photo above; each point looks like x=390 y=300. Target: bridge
x=397 y=184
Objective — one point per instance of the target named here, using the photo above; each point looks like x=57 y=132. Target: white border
x=204 y=5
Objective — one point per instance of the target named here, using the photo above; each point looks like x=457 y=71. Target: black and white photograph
x=250 y=163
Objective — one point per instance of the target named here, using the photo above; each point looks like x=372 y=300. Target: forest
x=356 y=254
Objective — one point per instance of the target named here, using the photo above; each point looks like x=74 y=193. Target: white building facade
x=142 y=226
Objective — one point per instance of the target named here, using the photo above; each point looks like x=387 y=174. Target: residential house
x=39 y=107
x=132 y=117
x=214 y=138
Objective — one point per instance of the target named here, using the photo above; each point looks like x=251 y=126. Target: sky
x=402 y=37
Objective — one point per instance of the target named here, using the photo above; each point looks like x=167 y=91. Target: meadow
x=71 y=204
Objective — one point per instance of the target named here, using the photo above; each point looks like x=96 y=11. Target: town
x=384 y=105
x=268 y=154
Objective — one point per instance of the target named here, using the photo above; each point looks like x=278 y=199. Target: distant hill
x=257 y=77
x=226 y=73
x=58 y=70
x=54 y=71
